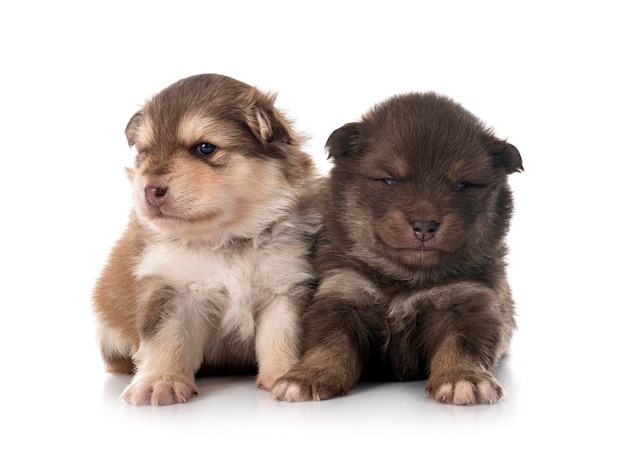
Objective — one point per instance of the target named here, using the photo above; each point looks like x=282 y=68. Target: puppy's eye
x=205 y=149
x=465 y=185
x=389 y=181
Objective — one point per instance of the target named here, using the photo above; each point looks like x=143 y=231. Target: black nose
x=156 y=195
x=424 y=229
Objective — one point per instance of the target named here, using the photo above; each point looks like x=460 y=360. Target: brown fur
x=212 y=272
x=411 y=258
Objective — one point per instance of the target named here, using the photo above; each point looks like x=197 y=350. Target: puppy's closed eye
x=463 y=186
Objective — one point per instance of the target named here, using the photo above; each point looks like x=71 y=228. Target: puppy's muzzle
x=156 y=195
x=424 y=230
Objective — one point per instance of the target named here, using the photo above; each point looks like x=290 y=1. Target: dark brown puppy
x=411 y=260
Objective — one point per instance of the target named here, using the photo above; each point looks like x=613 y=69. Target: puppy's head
x=215 y=159
x=421 y=186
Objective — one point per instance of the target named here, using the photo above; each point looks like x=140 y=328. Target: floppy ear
x=133 y=126
x=270 y=127
x=266 y=123
x=505 y=156
x=344 y=141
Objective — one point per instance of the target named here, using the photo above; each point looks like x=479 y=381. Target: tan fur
x=212 y=272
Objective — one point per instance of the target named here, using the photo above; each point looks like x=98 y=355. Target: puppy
x=411 y=256
x=213 y=270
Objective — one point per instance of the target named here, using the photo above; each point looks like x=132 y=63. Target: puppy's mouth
x=175 y=215
x=166 y=208
x=415 y=247
x=418 y=250
x=163 y=212
x=166 y=217
x=418 y=255
x=159 y=215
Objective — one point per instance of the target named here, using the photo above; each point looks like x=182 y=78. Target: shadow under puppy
x=411 y=257
x=213 y=270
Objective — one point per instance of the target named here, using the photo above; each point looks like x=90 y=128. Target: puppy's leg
x=277 y=341
x=330 y=368
x=171 y=349
x=116 y=351
x=458 y=378
x=469 y=339
x=339 y=330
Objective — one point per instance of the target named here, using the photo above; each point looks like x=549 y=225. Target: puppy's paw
x=271 y=369
x=266 y=380
x=289 y=390
x=160 y=390
x=473 y=388
x=300 y=387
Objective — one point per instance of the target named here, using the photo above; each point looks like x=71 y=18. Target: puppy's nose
x=424 y=229
x=156 y=195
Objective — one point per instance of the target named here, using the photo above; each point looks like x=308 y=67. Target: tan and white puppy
x=212 y=272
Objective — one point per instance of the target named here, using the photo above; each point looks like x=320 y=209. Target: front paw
x=309 y=386
x=464 y=388
x=160 y=390
x=266 y=380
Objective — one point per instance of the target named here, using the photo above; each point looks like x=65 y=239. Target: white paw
x=291 y=391
x=464 y=392
x=159 y=390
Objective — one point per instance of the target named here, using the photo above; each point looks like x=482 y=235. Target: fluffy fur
x=411 y=257
x=213 y=270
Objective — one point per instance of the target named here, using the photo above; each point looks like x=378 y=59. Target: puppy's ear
x=344 y=141
x=267 y=124
x=505 y=155
x=132 y=127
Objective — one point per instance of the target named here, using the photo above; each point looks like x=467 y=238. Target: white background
x=548 y=76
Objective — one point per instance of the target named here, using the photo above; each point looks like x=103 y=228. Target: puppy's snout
x=156 y=195
x=424 y=229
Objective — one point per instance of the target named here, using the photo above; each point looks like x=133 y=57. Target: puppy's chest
x=215 y=276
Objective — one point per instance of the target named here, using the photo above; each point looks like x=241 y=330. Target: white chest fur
x=234 y=284
x=204 y=268
x=215 y=281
